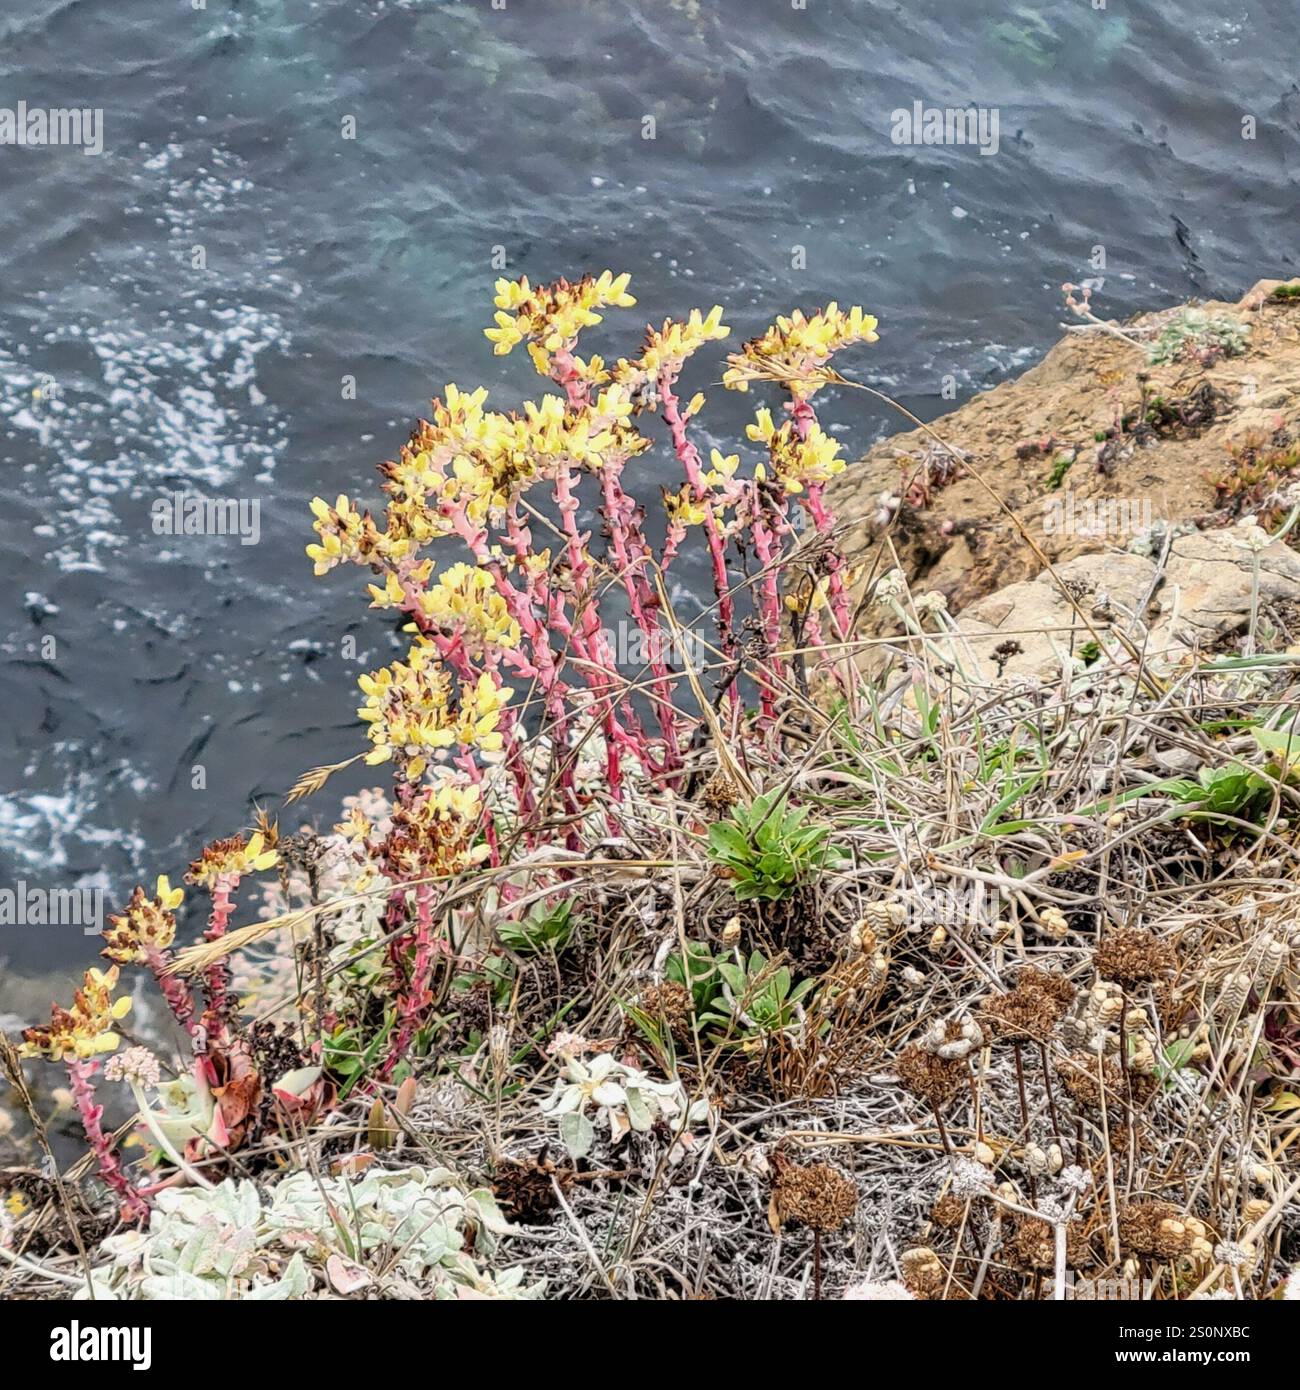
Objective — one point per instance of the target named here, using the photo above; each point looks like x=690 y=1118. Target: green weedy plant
x=769 y=850
x=544 y=929
x=756 y=996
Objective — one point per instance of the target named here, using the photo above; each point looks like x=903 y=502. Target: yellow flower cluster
x=232 y=858
x=479 y=460
x=795 y=462
x=462 y=599
x=346 y=535
x=435 y=832
x=146 y=927
x=683 y=508
x=668 y=347
x=409 y=709
x=87 y=1028
x=795 y=350
x=553 y=315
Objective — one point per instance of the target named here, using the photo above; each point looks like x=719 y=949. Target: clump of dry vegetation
x=744 y=974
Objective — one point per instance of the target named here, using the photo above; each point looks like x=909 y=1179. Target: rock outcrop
x=1088 y=449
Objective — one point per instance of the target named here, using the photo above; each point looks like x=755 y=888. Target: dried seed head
x=731 y=932
x=1078 y=1074
x=672 y=1004
x=817 y=1196
x=923 y=1272
x=1153 y=1227
x=1132 y=957
x=948 y=1212
x=1031 y=1010
x=932 y=1079
x=719 y=794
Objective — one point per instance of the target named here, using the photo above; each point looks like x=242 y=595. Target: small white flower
x=1075 y=1179
x=970 y=1179
x=889 y=1292
x=890 y=587
x=136 y=1064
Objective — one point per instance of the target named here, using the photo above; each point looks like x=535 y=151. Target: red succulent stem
x=415 y=999
x=179 y=999
x=216 y=978
x=632 y=554
x=824 y=520
x=588 y=641
x=689 y=457
x=769 y=603
x=81 y=1073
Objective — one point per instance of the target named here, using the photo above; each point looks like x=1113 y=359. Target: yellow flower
x=794 y=462
x=146 y=927
x=550 y=317
x=87 y=1028
x=794 y=351
x=724 y=468
x=409 y=709
x=232 y=858
x=464 y=599
x=667 y=348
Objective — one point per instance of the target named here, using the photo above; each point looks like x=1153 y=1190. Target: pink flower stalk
x=178 y=997
x=632 y=555
x=216 y=978
x=81 y=1074
x=763 y=530
x=824 y=521
x=589 y=644
x=689 y=457
x=415 y=999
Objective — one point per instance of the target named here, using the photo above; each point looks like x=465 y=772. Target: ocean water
x=181 y=312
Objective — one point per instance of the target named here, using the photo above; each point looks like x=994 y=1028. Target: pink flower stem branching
x=589 y=644
x=179 y=999
x=415 y=998
x=769 y=604
x=81 y=1073
x=631 y=554
x=689 y=457
x=216 y=978
x=824 y=520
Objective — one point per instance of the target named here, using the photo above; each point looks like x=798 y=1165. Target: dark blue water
x=320 y=258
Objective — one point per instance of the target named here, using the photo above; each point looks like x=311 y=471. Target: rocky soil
x=1087 y=449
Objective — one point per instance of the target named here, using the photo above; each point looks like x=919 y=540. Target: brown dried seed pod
x=524 y=1190
x=719 y=794
x=1153 y=1227
x=672 y=1003
x=923 y=1272
x=1078 y=1074
x=947 y=1212
x=817 y=1196
x=1132 y=957
x=1054 y=986
x=932 y=1079
x=1032 y=1244
x=1021 y=1015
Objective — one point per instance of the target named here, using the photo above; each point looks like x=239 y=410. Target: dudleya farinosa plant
x=401 y=1230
